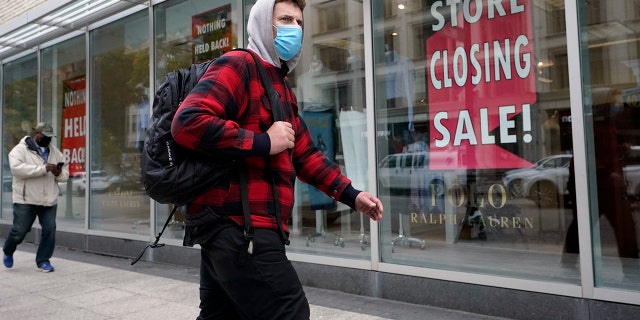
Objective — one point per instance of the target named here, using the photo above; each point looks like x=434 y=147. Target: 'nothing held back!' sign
x=211 y=33
x=481 y=83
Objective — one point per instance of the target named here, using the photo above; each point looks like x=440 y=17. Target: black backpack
x=168 y=169
x=176 y=175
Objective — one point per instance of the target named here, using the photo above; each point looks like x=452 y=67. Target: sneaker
x=8 y=261
x=46 y=267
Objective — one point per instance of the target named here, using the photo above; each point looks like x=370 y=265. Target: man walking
x=37 y=166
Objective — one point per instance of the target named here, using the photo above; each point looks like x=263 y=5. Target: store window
x=329 y=84
x=473 y=136
x=119 y=108
x=19 y=116
x=189 y=32
x=63 y=79
x=612 y=101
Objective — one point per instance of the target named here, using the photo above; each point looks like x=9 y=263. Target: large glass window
x=612 y=103
x=189 y=32
x=119 y=58
x=64 y=106
x=474 y=136
x=19 y=116
x=329 y=84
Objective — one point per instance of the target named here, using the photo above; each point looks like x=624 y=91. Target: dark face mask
x=43 y=141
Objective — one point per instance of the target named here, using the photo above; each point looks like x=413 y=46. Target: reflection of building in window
x=551 y=132
x=355 y=86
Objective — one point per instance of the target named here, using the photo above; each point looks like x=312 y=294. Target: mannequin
x=317 y=89
x=353 y=125
x=400 y=83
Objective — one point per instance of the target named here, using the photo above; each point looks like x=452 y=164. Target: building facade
x=502 y=137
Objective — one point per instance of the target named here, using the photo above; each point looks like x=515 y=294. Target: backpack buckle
x=248 y=232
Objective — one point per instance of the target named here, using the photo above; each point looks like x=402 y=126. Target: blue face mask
x=288 y=41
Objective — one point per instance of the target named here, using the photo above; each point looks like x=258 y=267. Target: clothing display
x=400 y=83
x=321 y=126
x=353 y=133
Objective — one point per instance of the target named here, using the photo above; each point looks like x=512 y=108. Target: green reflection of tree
x=171 y=56
x=122 y=76
x=19 y=106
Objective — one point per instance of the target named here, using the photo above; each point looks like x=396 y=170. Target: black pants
x=236 y=285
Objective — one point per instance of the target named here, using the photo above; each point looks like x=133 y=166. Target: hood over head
x=260 y=31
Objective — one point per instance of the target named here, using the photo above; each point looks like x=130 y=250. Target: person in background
x=37 y=166
x=227 y=114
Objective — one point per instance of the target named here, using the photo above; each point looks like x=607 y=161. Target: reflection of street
x=340 y=235
x=517 y=224
x=513 y=224
x=110 y=211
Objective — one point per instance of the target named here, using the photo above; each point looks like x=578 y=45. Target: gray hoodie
x=260 y=30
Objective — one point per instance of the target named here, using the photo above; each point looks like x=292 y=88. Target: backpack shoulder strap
x=278 y=115
x=274 y=96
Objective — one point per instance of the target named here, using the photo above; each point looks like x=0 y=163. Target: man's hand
x=369 y=205
x=282 y=137
x=53 y=168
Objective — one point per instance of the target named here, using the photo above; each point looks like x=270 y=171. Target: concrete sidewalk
x=90 y=286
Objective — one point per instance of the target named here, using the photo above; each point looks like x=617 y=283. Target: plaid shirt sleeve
x=314 y=168
x=207 y=120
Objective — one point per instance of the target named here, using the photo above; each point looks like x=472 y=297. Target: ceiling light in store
x=401 y=6
x=545 y=64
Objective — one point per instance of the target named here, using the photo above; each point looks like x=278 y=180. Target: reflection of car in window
x=395 y=171
x=550 y=172
x=122 y=183
x=546 y=181
x=78 y=182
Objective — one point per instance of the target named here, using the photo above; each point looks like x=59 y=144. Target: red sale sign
x=481 y=83
x=73 y=124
